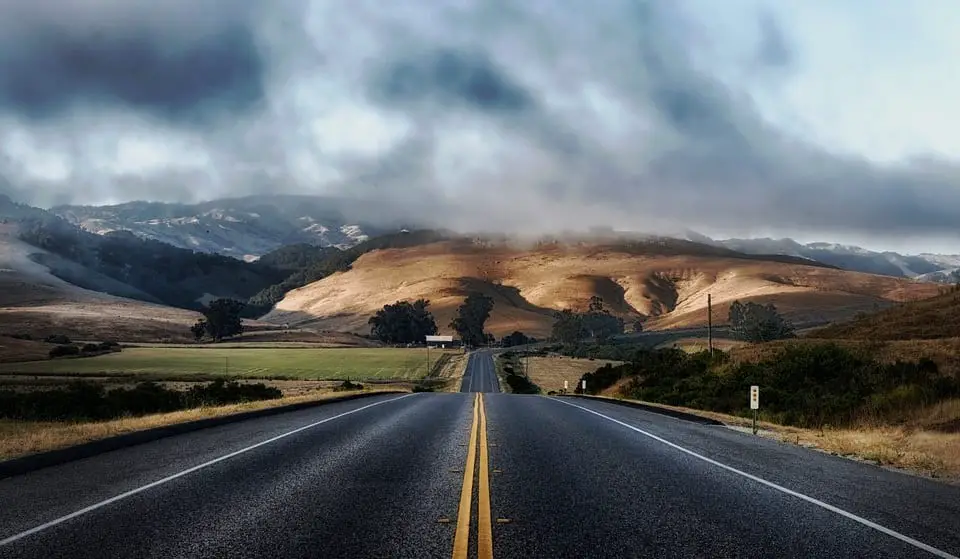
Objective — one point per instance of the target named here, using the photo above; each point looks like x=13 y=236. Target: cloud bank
x=524 y=116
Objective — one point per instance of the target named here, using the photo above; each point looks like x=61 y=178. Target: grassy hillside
x=652 y=281
x=159 y=363
x=936 y=317
x=302 y=263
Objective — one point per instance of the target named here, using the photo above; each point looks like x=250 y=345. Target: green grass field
x=294 y=363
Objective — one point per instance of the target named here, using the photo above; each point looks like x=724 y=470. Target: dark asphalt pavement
x=382 y=477
x=481 y=374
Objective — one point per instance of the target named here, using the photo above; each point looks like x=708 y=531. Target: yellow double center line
x=461 y=542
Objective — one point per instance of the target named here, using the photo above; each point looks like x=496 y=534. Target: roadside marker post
x=755 y=405
x=566 y=386
x=583 y=385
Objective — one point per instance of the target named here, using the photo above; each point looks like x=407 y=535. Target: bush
x=58 y=339
x=347 y=385
x=521 y=385
x=806 y=386
x=64 y=351
x=91 y=401
x=91 y=348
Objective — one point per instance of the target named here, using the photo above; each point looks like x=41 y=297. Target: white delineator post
x=755 y=405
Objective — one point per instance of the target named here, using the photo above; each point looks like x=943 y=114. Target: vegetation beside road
x=85 y=400
x=161 y=363
x=19 y=438
x=803 y=386
x=511 y=369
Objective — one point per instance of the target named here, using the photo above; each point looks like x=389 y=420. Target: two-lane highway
x=473 y=475
x=481 y=373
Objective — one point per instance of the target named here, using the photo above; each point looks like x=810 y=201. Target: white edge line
x=829 y=507
x=170 y=478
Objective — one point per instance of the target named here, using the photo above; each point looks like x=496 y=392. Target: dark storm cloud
x=50 y=63
x=449 y=77
x=598 y=113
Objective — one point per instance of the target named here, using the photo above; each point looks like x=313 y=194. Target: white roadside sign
x=754 y=397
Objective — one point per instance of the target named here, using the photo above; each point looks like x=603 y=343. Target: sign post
x=755 y=405
x=584 y=386
x=566 y=386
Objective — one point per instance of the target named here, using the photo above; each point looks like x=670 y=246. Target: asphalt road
x=388 y=476
x=481 y=374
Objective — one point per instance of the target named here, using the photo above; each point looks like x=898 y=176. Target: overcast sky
x=821 y=119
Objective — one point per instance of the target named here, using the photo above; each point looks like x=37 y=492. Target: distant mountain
x=950 y=275
x=243 y=228
x=923 y=267
x=123 y=264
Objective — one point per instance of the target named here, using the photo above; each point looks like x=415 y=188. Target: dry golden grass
x=453 y=371
x=694 y=345
x=944 y=352
x=937 y=317
x=549 y=372
x=18 y=438
x=916 y=448
x=13 y=350
x=527 y=285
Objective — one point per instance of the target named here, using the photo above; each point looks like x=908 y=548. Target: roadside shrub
x=348 y=385
x=521 y=385
x=58 y=339
x=84 y=400
x=90 y=348
x=64 y=351
x=109 y=346
x=20 y=336
x=806 y=386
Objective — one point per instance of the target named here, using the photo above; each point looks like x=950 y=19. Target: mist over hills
x=245 y=227
x=251 y=226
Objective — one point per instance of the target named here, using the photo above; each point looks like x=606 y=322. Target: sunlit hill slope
x=661 y=282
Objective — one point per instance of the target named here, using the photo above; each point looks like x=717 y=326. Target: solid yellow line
x=461 y=542
x=484 y=529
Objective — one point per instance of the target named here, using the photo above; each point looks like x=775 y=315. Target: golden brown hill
x=936 y=317
x=662 y=287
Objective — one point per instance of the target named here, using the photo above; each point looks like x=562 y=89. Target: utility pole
x=710 y=324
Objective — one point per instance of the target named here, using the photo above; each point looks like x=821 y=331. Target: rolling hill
x=663 y=282
x=37 y=303
x=933 y=318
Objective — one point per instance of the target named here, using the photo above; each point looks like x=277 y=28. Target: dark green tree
x=471 y=317
x=403 y=322
x=598 y=323
x=567 y=326
x=753 y=322
x=515 y=339
x=222 y=318
x=199 y=329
